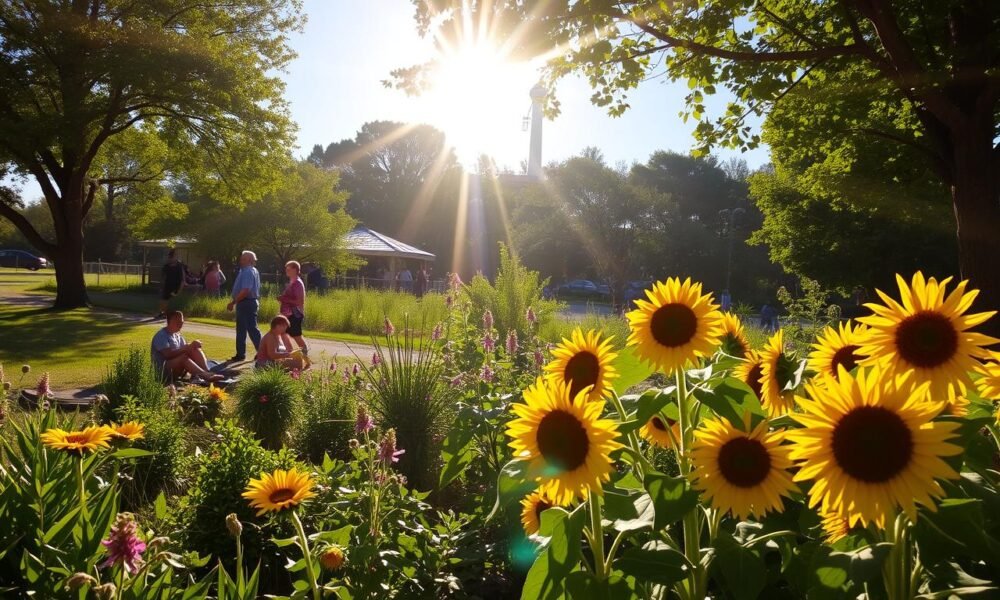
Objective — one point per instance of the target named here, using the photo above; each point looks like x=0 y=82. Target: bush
x=200 y=405
x=132 y=375
x=411 y=395
x=221 y=473
x=164 y=436
x=516 y=289
x=326 y=420
x=266 y=404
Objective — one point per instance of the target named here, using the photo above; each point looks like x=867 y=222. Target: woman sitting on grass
x=276 y=347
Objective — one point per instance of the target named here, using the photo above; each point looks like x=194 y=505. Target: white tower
x=538 y=94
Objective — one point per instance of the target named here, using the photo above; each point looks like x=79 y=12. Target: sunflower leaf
x=631 y=370
x=672 y=498
x=665 y=566
x=731 y=399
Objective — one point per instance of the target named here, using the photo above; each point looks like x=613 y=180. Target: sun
x=477 y=96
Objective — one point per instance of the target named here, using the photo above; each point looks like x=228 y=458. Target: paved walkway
x=318 y=348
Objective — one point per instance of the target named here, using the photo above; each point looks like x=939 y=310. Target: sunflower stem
x=597 y=533
x=82 y=487
x=692 y=527
x=306 y=555
x=633 y=440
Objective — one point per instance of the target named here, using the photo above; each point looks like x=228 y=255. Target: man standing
x=172 y=356
x=172 y=279
x=246 y=294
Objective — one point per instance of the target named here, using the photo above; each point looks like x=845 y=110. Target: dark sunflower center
x=659 y=424
x=281 y=495
x=754 y=379
x=673 y=325
x=540 y=507
x=744 y=462
x=846 y=356
x=562 y=440
x=581 y=371
x=926 y=339
x=872 y=443
x=733 y=346
x=77 y=438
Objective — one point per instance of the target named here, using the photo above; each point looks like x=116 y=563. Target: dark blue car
x=19 y=259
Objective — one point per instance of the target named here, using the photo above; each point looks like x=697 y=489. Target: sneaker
x=238 y=358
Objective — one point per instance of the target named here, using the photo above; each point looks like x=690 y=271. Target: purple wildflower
x=487 y=320
x=387 y=451
x=347 y=376
x=389 y=327
x=539 y=358
x=376 y=359
x=437 y=333
x=364 y=421
x=456 y=381
x=333 y=368
x=44 y=391
x=488 y=342
x=511 y=342
x=531 y=316
x=487 y=374
x=449 y=301
x=124 y=546
x=454 y=281
x=295 y=373
x=355 y=369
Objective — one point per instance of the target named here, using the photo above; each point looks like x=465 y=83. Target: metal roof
x=366 y=242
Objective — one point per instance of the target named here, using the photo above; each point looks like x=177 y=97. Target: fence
x=121 y=271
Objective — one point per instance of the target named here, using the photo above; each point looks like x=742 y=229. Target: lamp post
x=729 y=217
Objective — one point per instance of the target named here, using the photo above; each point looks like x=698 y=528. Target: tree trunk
x=976 y=199
x=71 y=289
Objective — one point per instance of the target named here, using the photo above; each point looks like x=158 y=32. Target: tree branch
x=27 y=229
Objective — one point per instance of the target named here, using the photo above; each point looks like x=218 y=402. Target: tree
x=933 y=64
x=202 y=76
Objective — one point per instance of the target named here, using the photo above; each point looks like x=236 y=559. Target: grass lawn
x=74 y=346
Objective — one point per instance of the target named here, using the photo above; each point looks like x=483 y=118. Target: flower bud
x=233 y=525
x=25 y=369
x=105 y=592
x=78 y=580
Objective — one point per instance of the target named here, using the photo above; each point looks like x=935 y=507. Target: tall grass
x=131 y=374
x=554 y=330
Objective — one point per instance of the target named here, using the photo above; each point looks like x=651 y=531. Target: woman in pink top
x=213 y=278
x=293 y=303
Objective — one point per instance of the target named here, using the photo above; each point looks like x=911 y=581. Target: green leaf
x=513 y=483
x=583 y=584
x=546 y=578
x=631 y=370
x=731 y=399
x=650 y=403
x=628 y=512
x=456 y=449
x=958 y=528
x=160 y=507
x=661 y=565
x=131 y=453
x=742 y=569
x=672 y=498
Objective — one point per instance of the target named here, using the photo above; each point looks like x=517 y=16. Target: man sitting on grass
x=173 y=357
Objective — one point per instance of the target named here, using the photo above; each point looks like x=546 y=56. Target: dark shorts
x=295 y=325
x=169 y=293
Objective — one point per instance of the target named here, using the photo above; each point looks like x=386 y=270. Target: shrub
x=516 y=289
x=132 y=375
x=164 y=436
x=200 y=405
x=411 y=395
x=266 y=404
x=326 y=420
x=221 y=473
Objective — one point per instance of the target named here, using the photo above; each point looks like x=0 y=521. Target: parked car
x=578 y=287
x=19 y=259
x=635 y=290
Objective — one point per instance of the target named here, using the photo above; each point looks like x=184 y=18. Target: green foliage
x=267 y=401
x=515 y=290
x=808 y=313
x=221 y=473
x=410 y=394
x=131 y=375
x=165 y=438
x=197 y=406
x=325 y=421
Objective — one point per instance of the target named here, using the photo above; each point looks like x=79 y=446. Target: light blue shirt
x=164 y=340
x=247 y=279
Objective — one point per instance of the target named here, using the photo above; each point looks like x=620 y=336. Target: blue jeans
x=246 y=323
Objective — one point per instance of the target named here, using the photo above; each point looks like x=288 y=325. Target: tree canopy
x=203 y=77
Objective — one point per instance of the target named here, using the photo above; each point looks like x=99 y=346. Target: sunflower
x=567 y=443
x=989 y=383
x=957 y=404
x=676 y=326
x=532 y=507
x=279 y=490
x=131 y=431
x=750 y=371
x=871 y=445
x=734 y=339
x=662 y=431
x=835 y=526
x=776 y=372
x=82 y=442
x=582 y=361
x=333 y=558
x=217 y=394
x=927 y=333
x=739 y=472
x=835 y=347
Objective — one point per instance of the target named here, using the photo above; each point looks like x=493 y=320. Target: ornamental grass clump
x=325 y=421
x=267 y=404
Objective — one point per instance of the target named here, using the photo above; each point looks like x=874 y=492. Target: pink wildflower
x=44 y=391
x=333 y=368
x=295 y=374
x=456 y=381
x=454 y=281
x=531 y=316
x=263 y=399
x=487 y=374
x=355 y=369
x=437 y=333
x=387 y=451
x=487 y=320
x=539 y=358
x=511 y=345
x=389 y=327
x=376 y=359
x=124 y=546
x=488 y=342
x=364 y=421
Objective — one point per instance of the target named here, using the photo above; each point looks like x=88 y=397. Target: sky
x=349 y=47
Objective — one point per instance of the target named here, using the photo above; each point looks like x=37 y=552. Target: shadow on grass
x=46 y=332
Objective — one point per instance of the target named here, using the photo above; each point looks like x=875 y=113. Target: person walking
x=172 y=280
x=246 y=301
x=421 y=282
x=214 y=279
x=293 y=304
